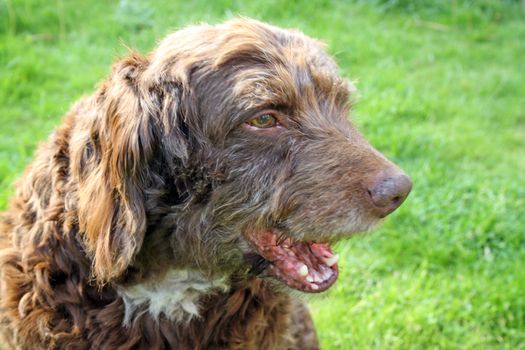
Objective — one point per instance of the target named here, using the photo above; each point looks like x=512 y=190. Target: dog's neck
x=176 y=295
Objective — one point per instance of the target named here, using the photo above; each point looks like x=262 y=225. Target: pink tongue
x=308 y=266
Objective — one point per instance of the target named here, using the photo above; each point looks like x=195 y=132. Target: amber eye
x=264 y=121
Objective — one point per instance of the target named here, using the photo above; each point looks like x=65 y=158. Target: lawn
x=441 y=92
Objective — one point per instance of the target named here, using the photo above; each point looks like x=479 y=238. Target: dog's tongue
x=306 y=266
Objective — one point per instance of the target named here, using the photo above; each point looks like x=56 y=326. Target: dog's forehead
x=300 y=79
x=242 y=39
x=290 y=84
x=259 y=64
x=218 y=43
x=275 y=66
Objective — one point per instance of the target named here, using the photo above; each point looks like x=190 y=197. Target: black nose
x=388 y=191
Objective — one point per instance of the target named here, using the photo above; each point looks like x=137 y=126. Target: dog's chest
x=176 y=296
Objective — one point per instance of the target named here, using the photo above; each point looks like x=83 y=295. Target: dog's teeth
x=317 y=277
x=309 y=279
x=315 y=287
x=303 y=270
x=331 y=261
x=326 y=274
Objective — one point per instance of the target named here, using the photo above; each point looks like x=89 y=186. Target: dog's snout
x=388 y=190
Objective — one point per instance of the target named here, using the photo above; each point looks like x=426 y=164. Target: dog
x=182 y=204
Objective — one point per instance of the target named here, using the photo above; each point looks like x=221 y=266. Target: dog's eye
x=264 y=121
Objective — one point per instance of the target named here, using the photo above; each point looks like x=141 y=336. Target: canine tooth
x=303 y=270
x=315 y=287
x=331 y=261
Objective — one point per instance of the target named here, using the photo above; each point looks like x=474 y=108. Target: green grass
x=441 y=93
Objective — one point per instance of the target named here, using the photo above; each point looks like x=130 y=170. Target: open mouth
x=307 y=266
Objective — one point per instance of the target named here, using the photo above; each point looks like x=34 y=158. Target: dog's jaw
x=305 y=266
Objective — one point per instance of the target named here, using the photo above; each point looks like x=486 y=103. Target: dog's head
x=228 y=149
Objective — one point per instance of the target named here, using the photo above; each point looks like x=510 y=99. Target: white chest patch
x=176 y=295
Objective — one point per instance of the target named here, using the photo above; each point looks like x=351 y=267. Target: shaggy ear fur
x=113 y=168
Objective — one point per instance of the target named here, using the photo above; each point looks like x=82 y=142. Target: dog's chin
x=308 y=266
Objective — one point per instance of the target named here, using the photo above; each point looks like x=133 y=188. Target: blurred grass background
x=441 y=93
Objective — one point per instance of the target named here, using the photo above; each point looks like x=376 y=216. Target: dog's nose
x=388 y=190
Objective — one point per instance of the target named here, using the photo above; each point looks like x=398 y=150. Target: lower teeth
x=303 y=270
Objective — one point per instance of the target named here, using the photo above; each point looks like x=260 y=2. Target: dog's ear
x=114 y=167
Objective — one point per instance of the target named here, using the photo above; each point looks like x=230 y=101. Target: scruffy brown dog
x=180 y=204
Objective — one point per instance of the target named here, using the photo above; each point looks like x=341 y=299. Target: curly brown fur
x=157 y=174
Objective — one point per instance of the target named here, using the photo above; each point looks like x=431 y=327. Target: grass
x=441 y=93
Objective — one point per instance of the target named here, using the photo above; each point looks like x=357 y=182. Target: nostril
x=388 y=192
